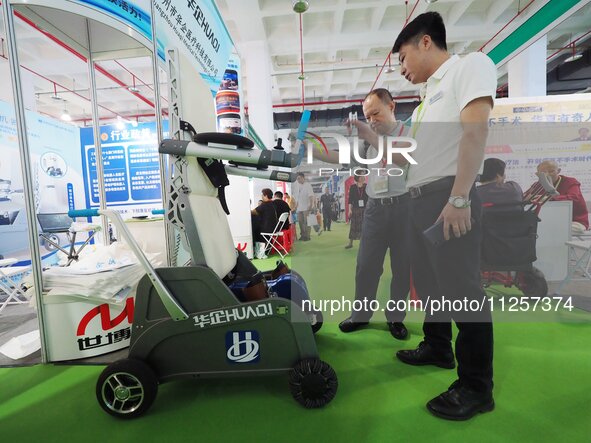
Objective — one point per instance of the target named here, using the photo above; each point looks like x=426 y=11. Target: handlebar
x=83 y=213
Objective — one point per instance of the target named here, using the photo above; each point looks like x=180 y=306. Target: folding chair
x=581 y=262
x=271 y=238
x=7 y=285
x=56 y=223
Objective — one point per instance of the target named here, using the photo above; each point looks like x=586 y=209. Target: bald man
x=569 y=188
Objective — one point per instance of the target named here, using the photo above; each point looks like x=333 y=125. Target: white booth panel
x=554 y=231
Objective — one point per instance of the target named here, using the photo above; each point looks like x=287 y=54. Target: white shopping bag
x=312 y=221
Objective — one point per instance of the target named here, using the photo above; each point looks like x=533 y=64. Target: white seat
x=271 y=237
x=214 y=243
x=581 y=255
x=7 y=285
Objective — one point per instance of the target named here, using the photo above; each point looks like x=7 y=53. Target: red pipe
x=508 y=23
x=302 y=63
x=500 y=88
x=337 y=102
x=126 y=117
x=61 y=86
x=566 y=46
x=388 y=57
x=81 y=57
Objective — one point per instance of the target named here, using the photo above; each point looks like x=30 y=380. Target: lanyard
x=420 y=114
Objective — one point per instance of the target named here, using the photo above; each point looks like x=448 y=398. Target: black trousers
x=326 y=219
x=384 y=227
x=452 y=272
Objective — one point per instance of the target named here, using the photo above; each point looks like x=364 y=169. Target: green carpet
x=542 y=387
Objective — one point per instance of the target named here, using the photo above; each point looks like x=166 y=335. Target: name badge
x=436 y=97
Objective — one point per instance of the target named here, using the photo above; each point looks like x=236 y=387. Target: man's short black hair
x=429 y=23
x=301 y=174
x=267 y=193
x=382 y=93
x=492 y=168
x=279 y=194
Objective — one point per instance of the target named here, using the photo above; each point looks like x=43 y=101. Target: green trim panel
x=537 y=22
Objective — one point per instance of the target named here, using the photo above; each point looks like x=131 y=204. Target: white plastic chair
x=7 y=284
x=272 y=237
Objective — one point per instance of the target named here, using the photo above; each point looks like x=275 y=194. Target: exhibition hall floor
x=542 y=386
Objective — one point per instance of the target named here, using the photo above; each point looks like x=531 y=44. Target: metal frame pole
x=96 y=128
x=25 y=159
x=159 y=135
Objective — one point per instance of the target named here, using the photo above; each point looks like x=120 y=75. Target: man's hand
x=456 y=218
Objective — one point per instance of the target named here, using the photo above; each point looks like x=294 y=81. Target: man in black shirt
x=327 y=200
x=264 y=219
x=280 y=208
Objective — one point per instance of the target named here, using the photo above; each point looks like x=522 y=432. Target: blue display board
x=131 y=166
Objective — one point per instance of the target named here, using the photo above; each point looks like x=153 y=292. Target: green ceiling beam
x=543 y=18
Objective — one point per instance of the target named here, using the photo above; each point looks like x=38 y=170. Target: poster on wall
x=526 y=131
x=131 y=167
x=58 y=182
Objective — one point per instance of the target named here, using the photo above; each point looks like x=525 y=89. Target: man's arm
x=370 y=136
x=474 y=119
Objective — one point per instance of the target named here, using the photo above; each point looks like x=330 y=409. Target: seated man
x=568 y=188
x=280 y=208
x=494 y=190
x=264 y=219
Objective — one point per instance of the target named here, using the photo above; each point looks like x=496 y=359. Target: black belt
x=384 y=201
x=438 y=185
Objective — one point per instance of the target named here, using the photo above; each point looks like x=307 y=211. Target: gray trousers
x=303 y=222
x=384 y=227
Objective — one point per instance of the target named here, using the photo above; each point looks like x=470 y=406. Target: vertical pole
x=96 y=128
x=158 y=110
x=25 y=159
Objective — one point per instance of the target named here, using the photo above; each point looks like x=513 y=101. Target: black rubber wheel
x=313 y=383
x=533 y=283
x=316 y=321
x=127 y=388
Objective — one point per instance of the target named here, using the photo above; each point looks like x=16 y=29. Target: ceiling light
x=300 y=6
x=133 y=88
x=430 y=1
x=390 y=70
x=572 y=58
x=56 y=97
x=66 y=116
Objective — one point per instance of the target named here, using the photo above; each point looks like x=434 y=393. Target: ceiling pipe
x=388 y=56
x=61 y=86
x=80 y=56
x=504 y=27
x=124 y=117
x=339 y=102
x=504 y=86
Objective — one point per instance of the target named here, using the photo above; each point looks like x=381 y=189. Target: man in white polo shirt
x=304 y=196
x=450 y=127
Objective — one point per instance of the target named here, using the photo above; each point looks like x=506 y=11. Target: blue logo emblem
x=242 y=346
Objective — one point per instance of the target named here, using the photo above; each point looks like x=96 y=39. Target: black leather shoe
x=460 y=403
x=349 y=325
x=425 y=355
x=398 y=330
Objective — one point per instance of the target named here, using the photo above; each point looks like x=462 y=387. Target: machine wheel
x=54 y=238
x=315 y=321
x=532 y=283
x=126 y=388
x=313 y=383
